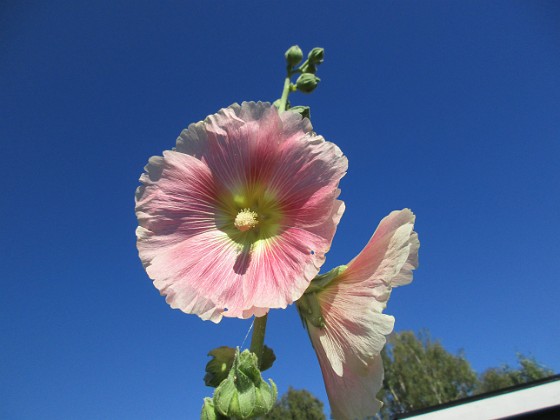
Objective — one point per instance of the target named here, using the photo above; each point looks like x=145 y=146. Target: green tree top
x=420 y=373
x=297 y=405
x=506 y=376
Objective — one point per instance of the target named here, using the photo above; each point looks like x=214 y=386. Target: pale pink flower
x=343 y=314
x=238 y=217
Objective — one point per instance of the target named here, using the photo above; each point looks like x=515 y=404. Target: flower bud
x=294 y=55
x=316 y=55
x=244 y=394
x=307 y=82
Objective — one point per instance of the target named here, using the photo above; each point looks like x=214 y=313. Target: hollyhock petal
x=353 y=329
x=390 y=255
x=350 y=396
x=288 y=256
x=238 y=217
x=349 y=343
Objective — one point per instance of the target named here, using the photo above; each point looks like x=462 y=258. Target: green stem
x=257 y=340
x=285 y=93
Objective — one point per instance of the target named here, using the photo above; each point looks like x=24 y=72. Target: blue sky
x=450 y=108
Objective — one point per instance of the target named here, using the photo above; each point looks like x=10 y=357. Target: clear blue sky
x=450 y=108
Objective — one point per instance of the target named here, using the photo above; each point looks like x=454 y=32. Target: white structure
x=539 y=400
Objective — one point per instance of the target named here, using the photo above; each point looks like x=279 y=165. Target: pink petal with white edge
x=349 y=345
x=184 y=209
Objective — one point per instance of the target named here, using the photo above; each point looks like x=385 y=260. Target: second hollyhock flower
x=238 y=217
x=342 y=311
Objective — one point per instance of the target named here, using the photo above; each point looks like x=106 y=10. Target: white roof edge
x=511 y=403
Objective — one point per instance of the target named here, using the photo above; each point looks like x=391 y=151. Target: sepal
x=323 y=280
x=208 y=411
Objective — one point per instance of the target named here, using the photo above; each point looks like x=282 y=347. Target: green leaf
x=276 y=103
x=305 y=111
x=268 y=358
x=218 y=367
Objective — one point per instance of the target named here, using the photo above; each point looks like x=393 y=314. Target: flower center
x=245 y=220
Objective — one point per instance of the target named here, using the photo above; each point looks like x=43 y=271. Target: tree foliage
x=419 y=373
x=506 y=376
x=297 y=405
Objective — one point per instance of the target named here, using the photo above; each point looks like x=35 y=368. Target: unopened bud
x=307 y=82
x=316 y=55
x=294 y=55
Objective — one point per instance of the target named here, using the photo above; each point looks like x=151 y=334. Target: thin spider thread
x=248 y=331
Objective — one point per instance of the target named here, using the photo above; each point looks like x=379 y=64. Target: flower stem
x=257 y=340
x=285 y=93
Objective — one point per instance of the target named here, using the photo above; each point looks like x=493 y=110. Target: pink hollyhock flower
x=238 y=217
x=342 y=311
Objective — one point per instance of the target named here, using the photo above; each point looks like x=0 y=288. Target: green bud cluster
x=243 y=394
x=306 y=82
x=241 y=391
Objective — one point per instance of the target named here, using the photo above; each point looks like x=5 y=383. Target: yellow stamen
x=245 y=220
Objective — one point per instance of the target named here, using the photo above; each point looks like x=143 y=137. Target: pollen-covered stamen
x=245 y=220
